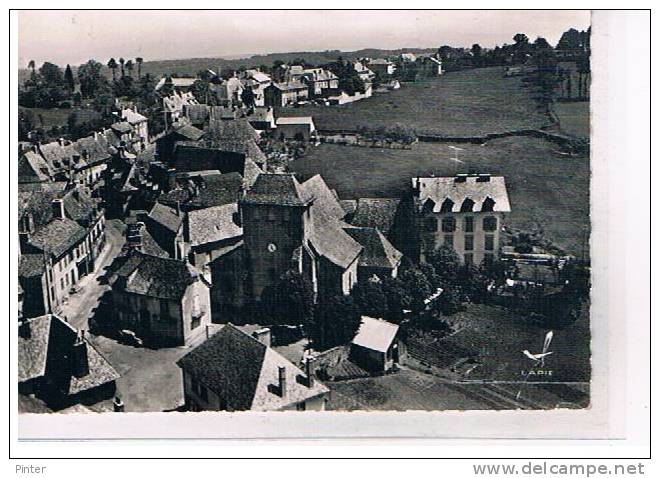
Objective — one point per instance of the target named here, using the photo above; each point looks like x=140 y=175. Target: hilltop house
x=319 y=81
x=166 y=302
x=382 y=67
x=233 y=371
x=465 y=212
x=285 y=94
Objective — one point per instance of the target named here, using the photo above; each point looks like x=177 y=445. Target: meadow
x=462 y=103
x=545 y=186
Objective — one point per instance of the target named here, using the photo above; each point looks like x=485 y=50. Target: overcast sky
x=76 y=36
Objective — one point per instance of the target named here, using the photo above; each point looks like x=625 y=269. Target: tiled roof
x=244 y=372
x=133 y=117
x=276 y=189
x=375 y=334
x=153 y=276
x=58 y=156
x=206 y=191
x=44 y=351
x=331 y=241
x=31 y=265
x=324 y=198
x=471 y=187
x=378 y=251
x=375 y=212
x=176 y=82
x=232 y=130
x=290 y=86
x=197 y=114
x=295 y=120
x=213 y=224
x=32 y=167
x=58 y=236
x=166 y=216
x=122 y=127
x=186 y=130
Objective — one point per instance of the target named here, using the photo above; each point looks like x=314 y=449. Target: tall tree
x=122 y=62
x=68 y=79
x=336 y=323
x=289 y=301
x=32 y=66
x=112 y=64
x=90 y=78
x=51 y=74
x=129 y=67
x=139 y=62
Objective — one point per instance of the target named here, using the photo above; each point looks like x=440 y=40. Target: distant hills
x=190 y=66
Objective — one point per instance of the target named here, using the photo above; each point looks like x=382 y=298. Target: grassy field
x=574 y=118
x=544 y=186
x=47 y=118
x=464 y=103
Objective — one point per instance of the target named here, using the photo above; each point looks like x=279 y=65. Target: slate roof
x=122 y=127
x=43 y=353
x=206 y=191
x=31 y=265
x=284 y=120
x=58 y=156
x=375 y=212
x=232 y=130
x=186 y=130
x=324 y=198
x=281 y=189
x=166 y=216
x=375 y=334
x=133 y=117
x=290 y=86
x=378 y=251
x=58 y=236
x=95 y=146
x=176 y=82
x=244 y=372
x=213 y=224
x=32 y=167
x=329 y=239
x=196 y=114
x=440 y=188
x=153 y=276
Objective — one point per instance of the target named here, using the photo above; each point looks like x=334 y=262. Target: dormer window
x=447 y=205
x=428 y=206
x=468 y=205
x=488 y=205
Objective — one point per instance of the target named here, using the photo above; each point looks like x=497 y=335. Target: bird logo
x=540 y=357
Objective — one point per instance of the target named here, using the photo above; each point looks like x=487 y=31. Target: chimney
x=60 y=141
x=281 y=375
x=58 y=208
x=263 y=336
x=178 y=208
x=79 y=359
x=309 y=371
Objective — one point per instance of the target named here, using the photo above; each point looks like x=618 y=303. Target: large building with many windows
x=465 y=212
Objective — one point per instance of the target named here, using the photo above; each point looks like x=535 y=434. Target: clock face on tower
x=272 y=247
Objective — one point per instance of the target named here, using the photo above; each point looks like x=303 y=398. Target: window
x=468 y=224
x=488 y=204
x=431 y=224
x=469 y=243
x=468 y=205
x=468 y=258
x=272 y=214
x=164 y=312
x=196 y=320
x=447 y=205
x=448 y=224
x=490 y=223
x=489 y=242
x=449 y=240
x=62 y=283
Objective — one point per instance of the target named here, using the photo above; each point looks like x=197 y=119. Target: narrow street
x=80 y=306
